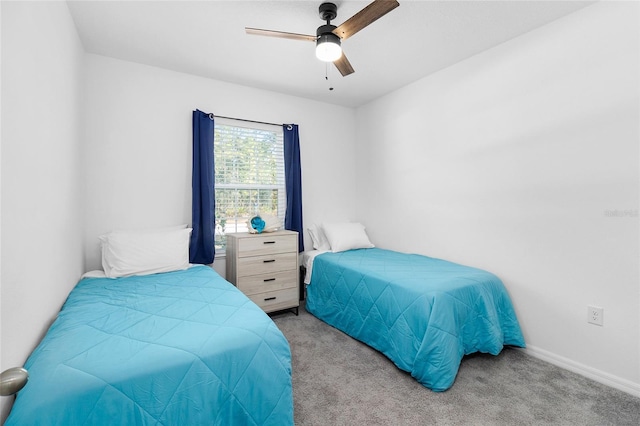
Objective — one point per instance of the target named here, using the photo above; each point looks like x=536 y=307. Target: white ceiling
x=207 y=38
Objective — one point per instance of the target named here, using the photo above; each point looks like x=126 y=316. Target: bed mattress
x=423 y=313
x=176 y=348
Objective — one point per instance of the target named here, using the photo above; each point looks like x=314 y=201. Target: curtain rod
x=245 y=120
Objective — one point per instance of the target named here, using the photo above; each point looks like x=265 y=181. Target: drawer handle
x=268 y=261
x=268 y=242
x=269 y=298
x=269 y=279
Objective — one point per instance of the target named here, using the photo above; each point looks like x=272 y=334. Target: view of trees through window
x=249 y=177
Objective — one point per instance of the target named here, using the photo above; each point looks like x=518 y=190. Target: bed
x=172 y=348
x=423 y=313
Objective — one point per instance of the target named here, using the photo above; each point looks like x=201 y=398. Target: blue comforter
x=423 y=313
x=179 y=348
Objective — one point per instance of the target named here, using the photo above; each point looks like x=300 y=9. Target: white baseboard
x=591 y=373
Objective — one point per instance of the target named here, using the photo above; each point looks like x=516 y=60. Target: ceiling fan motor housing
x=326 y=29
x=325 y=34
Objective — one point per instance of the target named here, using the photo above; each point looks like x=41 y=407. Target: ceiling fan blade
x=366 y=16
x=280 y=34
x=343 y=65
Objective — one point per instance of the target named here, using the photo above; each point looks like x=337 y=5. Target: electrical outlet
x=595 y=315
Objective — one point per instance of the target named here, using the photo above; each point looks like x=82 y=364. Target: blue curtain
x=293 y=181
x=202 y=244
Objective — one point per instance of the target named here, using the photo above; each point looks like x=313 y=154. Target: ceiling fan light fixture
x=328 y=47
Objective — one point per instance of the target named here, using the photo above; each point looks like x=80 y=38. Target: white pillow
x=346 y=236
x=318 y=239
x=104 y=239
x=144 y=252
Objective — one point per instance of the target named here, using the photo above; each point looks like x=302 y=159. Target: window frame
x=280 y=185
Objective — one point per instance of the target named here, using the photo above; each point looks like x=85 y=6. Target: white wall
x=511 y=161
x=138 y=145
x=42 y=251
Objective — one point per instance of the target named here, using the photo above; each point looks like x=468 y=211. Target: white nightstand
x=265 y=268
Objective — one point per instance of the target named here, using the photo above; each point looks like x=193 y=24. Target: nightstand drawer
x=267 y=244
x=262 y=265
x=276 y=300
x=268 y=282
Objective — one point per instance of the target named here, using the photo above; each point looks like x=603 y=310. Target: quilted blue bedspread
x=423 y=313
x=178 y=348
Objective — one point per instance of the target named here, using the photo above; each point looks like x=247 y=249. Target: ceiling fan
x=328 y=37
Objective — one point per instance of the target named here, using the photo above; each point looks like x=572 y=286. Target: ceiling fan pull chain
x=326 y=74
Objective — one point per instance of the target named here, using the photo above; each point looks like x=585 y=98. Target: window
x=249 y=175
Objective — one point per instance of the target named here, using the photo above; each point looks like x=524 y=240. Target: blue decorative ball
x=257 y=223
